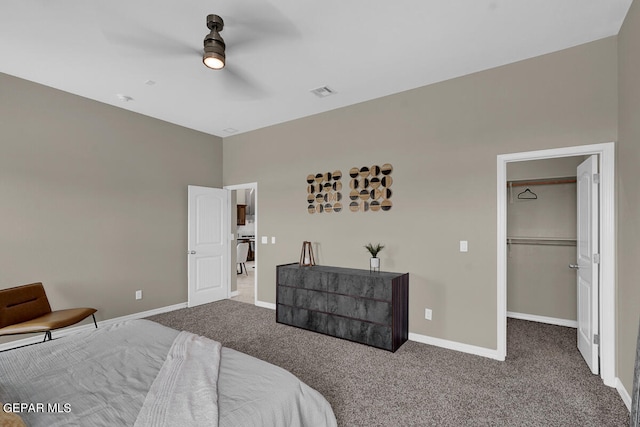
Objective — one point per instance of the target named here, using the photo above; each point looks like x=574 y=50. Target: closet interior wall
x=541 y=240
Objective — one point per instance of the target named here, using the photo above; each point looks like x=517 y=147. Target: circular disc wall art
x=370 y=188
x=323 y=192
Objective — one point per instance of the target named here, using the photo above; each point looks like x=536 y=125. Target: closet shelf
x=543 y=181
x=552 y=241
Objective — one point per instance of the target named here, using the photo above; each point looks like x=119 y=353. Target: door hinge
x=596 y=258
x=596 y=178
x=596 y=339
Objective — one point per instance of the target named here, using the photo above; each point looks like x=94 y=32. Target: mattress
x=103 y=377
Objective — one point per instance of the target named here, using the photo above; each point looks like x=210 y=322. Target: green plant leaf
x=374 y=249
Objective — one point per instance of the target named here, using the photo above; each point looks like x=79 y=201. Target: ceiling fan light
x=213 y=60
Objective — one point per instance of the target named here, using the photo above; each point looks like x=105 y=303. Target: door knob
x=574 y=266
x=191 y=252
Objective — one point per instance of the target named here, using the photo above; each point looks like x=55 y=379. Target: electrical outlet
x=138 y=294
x=427 y=313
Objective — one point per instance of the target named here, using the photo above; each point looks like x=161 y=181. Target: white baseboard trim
x=451 y=345
x=234 y=294
x=454 y=345
x=263 y=304
x=75 y=329
x=624 y=394
x=543 y=319
x=143 y=314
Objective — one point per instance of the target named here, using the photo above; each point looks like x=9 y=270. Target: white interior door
x=208 y=246
x=587 y=263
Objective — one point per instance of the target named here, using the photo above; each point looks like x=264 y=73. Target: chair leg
x=94 y=320
x=245 y=269
x=47 y=336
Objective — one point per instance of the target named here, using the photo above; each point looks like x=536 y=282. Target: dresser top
x=342 y=270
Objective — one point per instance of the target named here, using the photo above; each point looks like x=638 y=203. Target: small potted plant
x=374 y=262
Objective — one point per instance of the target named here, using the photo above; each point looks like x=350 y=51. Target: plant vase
x=374 y=264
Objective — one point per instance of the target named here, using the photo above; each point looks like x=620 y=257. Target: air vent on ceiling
x=323 y=92
x=124 y=98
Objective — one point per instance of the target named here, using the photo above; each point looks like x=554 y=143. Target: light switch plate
x=464 y=246
x=427 y=313
x=273 y=240
x=265 y=240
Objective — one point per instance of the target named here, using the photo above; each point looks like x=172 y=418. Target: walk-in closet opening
x=541 y=240
x=553 y=272
x=594 y=254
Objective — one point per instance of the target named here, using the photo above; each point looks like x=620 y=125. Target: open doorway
x=541 y=240
x=244 y=211
x=606 y=235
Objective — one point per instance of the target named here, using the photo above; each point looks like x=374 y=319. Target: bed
x=140 y=373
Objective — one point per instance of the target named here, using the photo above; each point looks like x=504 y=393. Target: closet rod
x=541 y=241
x=567 y=180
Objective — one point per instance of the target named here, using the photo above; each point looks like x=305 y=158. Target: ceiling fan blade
x=237 y=43
x=135 y=34
x=255 y=26
x=262 y=17
x=240 y=84
x=151 y=42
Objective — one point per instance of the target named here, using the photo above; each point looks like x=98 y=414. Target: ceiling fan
x=136 y=34
x=214 y=45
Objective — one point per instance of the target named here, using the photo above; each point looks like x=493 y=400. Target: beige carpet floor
x=543 y=382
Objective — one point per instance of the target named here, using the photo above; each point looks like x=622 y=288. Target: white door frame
x=254 y=186
x=606 y=164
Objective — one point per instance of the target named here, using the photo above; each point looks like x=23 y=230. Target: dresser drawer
x=303 y=298
x=307 y=319
x=360 y=308
x=359 y=331
x=362 y=286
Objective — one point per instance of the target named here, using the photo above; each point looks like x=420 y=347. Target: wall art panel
x=370 y=188
x=324 y=192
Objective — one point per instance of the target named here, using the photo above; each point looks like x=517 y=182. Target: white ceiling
x=278 y=50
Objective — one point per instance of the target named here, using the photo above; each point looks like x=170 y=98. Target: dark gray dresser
x=358 y=305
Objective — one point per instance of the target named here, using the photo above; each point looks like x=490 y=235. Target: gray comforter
x=141 y=373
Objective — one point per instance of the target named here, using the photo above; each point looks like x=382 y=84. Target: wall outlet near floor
x=427 y=313
x=138 y=294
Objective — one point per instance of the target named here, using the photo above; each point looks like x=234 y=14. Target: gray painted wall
x=94 y=199
x=442 y=141
x=628 y=208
